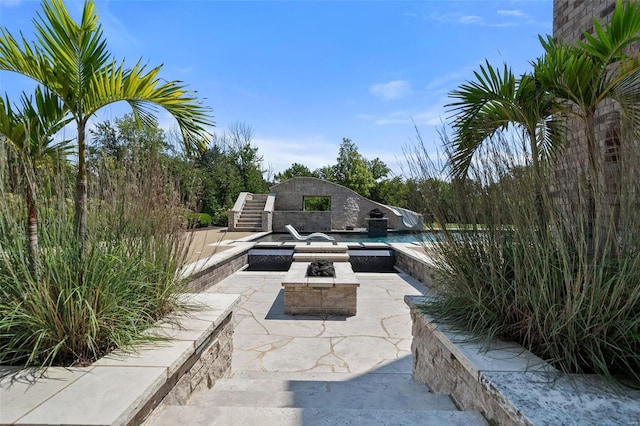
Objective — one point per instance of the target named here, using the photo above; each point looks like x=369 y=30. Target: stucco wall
x=347 y=207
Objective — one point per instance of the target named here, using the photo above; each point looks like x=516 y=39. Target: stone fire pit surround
x=304 y=295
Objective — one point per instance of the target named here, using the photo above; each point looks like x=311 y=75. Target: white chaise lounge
x=317 y=236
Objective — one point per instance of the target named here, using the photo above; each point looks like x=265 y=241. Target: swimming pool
x=361 y=237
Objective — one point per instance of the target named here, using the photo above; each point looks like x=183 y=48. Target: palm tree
x=583 y=76
x=29 y=131
x=493 y=103
x=71 y=60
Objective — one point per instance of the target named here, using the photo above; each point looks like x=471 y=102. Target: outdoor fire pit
x=309 y=290
x=321 y=268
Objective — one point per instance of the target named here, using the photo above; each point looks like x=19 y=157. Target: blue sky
x=305 y=74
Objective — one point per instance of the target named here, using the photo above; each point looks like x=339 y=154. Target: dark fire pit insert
x=321 y=268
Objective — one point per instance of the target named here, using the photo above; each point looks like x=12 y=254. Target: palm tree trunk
x=594 y=225
x=81 y=188
x=537 y=184
x=32 y=229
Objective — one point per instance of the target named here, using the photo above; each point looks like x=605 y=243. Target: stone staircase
x=321 y=251
x=278 y=398
x=250 y=219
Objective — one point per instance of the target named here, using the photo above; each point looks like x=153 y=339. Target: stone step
x=331 y=397
x=250 y=214
x=250 y=224
x=249 y=221
x=257 y=228
x=254 y=416
x=314 y=386
x=311 y=257
x=316 y=247
x=370 y=379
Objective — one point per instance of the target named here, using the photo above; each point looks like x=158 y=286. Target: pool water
x=361 y=237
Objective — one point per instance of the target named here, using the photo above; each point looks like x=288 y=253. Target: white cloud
x=470 y=19
x=458 y=18
x=395 y=89
x=433 y=116
x=517 y=13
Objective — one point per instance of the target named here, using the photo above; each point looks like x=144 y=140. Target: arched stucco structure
x=348 y=208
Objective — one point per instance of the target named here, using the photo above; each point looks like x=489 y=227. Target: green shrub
x=221 y=217
x=199 y=220
x=83 y=301
x=507 y=276
x=204 y=220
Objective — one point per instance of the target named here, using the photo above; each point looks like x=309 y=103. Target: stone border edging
x=211 y=270
x=509 y=384
x=121 y=388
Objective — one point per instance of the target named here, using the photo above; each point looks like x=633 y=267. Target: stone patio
x=320 y=369
x=266 y=339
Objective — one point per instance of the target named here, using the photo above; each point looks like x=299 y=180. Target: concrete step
x=261 y=416
x=311 y=257
x=321 y=247
x=330 y=397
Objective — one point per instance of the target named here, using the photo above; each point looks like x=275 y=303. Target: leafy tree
x=72 y=61
x=222 y=182
x=238 y=145
x=125 y=138
x=325 y=173
x=392 y=192
x=352 y=170
x=295 y=170
x=29 y=130
x=379 y=169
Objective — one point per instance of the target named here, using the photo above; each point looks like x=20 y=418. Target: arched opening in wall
x=314 y=203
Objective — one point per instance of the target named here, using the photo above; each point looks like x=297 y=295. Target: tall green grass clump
x=80 y=301
x=509 y=272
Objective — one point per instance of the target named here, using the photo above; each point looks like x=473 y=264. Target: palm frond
x=146 y=92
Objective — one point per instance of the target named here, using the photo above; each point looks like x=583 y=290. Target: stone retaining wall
x=413 y=263
x=303 y=221
x=435 y=365
x=207 y=272
x=123 y=388
x=210 y=362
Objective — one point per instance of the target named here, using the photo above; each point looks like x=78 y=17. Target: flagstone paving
x=319 y=369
